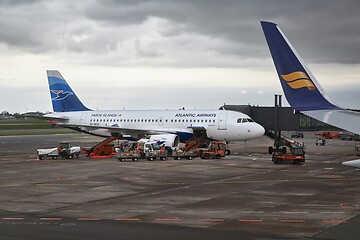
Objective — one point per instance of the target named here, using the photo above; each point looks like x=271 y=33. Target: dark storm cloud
x=322 y=31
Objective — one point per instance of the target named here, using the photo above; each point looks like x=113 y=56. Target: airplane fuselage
x=220 y=125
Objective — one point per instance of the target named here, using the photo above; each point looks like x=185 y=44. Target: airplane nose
x=259 y=130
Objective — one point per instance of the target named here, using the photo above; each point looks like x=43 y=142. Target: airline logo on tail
x=297 y=80
x=60 y=94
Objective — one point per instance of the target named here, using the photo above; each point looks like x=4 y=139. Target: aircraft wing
x=126 y=131
x=302 y=90
x=344 y=119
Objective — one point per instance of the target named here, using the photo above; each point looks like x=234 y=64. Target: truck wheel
x=217 y=156
x=41 y=157
x=227 y=152
x=189 y=158
x=151 y=159
x=135 y=159
x=206 y=156
x=54 y=157
x=71 y=156
x=121 y=160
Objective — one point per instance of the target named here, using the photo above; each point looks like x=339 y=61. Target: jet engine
x=170 y=140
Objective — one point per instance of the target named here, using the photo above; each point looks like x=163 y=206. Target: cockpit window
x=244 y=120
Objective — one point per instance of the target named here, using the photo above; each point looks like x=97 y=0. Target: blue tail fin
x=301 y=88
x=63 y=97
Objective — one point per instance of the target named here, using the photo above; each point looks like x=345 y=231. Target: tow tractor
x=64 y=150
x=215 y=150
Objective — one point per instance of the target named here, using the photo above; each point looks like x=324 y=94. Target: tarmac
x=242 y=196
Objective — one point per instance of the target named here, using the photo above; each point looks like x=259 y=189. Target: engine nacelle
x=170 y=140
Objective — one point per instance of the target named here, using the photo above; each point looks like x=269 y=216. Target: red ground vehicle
x=328 y=135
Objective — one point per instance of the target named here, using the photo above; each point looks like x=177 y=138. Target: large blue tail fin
x=301 y=88
x=63 y=97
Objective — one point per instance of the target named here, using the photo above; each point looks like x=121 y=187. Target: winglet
x=63 y=97
x=302 y=90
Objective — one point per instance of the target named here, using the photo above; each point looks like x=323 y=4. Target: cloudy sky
x=165 y=54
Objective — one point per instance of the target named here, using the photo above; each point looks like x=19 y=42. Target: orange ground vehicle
x=215 y=150
x=296 y=155
x=101 y=150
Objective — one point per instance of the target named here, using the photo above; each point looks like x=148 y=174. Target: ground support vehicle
x=122 y=156
x=295 y=156
x=289 y=151
x=215 y=150
x=149 y=150
x=101 y=150
x=320 y=142
x=297 y=134
x=65 y=150
x=184 y=154
x=328 y=135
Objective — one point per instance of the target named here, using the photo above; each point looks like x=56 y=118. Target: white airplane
x=302 y=90
x=168 y=126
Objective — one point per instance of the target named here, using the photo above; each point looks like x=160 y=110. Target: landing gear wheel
x=227 y=152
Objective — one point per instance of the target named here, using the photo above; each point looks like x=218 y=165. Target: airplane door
x=222 y=121
x=83 y=118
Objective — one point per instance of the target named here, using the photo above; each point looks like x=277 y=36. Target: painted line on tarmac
x=128 y=219
x=89 y=219
x=211 y=220
x=167 y=219
x=292 y=220
x=251 y=220
x=51 y=219
x=13 y=218
x=177 y=219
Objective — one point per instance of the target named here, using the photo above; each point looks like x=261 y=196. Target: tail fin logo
x=298 y=80
x=60 y=94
